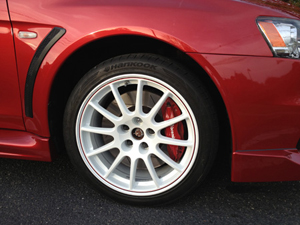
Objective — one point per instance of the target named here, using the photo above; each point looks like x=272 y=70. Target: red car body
x=260 y=92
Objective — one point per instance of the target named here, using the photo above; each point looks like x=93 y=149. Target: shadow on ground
x=40 y=192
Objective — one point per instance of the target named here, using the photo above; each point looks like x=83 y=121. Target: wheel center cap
x=138 y=133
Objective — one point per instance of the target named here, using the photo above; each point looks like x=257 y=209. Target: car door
x=10 y=102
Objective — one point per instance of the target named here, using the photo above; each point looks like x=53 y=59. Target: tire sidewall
x=181 y=80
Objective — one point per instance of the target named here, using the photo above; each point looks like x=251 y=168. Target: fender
x=187 y=25
x=36 y=102
x=219 y=83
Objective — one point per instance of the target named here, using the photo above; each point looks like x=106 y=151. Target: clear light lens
x=281 y=35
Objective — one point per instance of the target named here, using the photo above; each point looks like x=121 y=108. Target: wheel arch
x=89 y=55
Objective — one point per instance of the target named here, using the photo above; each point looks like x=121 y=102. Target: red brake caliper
x=176 y=131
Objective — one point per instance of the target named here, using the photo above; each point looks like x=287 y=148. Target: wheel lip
x=94 y=171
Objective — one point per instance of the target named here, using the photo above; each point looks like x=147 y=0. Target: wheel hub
x=138 y=133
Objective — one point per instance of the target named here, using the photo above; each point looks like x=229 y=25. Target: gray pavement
x=53 y=193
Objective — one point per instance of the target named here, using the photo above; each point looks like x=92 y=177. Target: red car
x=145 y=94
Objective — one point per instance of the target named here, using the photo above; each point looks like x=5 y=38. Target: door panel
x=10 y=102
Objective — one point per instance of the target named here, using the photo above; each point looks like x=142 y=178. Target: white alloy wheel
x=141 y=128
x=123 y=143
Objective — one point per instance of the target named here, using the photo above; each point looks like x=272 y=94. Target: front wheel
x=141 y=129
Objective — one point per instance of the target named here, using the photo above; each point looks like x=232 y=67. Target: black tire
x=156 y=179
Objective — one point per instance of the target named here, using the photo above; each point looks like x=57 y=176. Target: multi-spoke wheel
x=133 y=127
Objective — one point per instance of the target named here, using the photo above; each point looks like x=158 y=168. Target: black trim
x=54 y=35
x=298 y=145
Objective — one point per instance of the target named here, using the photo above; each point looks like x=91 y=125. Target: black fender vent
x=54 y=35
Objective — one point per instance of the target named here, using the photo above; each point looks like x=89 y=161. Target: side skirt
x=24 y=145
x=266 y=165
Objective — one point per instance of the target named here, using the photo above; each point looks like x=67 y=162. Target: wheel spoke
x=159 y=104
x=119 y=100
x=172 y=121
x=160 y=154
x=133 y=167
x=111 y=117
x=98 y=130
x=115 y=164
x=125 y=112
x=173 y=141
x=102 y=149
x=139 y=97
x=152 y=171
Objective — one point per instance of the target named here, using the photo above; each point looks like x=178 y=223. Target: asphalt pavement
x=53 y=193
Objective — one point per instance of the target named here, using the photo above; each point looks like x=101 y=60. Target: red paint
x=261 y=166
x=10 y=102
x=25 y=48
x=261 y=93
x=187 y=25
x=3 y=11
x=262 y=97
x=23 y=145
